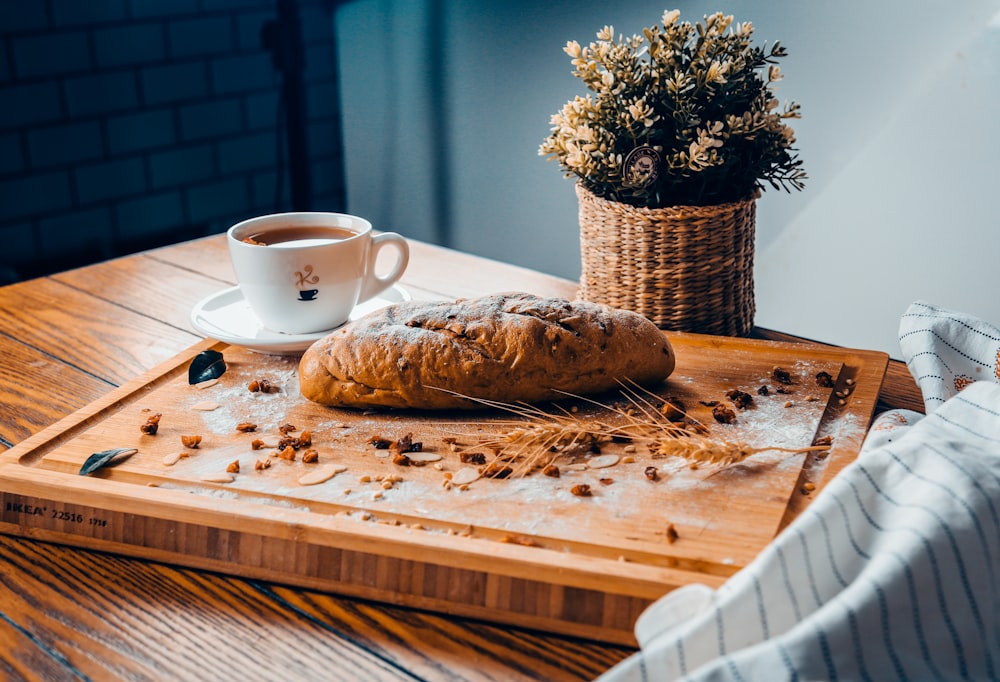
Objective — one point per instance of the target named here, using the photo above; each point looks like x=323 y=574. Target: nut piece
x=652 y=473
x=824 y=379
x=741 y=399
x=497 y=470
x=781 y=375
x=246 y=427
x=262 y=386
x=581 y=490
x=234 y=467
x=672 y=535
x=151 y=425
x=673 y=409
x=723 y=414
x=191 y=441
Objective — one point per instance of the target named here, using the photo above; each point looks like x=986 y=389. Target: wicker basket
x=686 y=268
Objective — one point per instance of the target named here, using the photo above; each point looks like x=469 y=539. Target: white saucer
x=227 y=316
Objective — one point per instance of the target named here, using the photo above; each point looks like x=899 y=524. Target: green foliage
x=698 y=95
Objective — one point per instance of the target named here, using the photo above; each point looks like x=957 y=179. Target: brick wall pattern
x=126 y=124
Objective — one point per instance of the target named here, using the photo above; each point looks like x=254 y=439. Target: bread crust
x=506 y=347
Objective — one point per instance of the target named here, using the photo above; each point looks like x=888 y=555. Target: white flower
x=606 y=33
x=716 y=73
x=671 y=16
x=641 y=112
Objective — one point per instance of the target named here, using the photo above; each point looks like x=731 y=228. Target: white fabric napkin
x=892 y=572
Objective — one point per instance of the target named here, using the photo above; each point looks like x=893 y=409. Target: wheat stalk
x=539 y=437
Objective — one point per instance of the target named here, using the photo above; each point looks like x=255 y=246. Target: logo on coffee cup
x=303 y=278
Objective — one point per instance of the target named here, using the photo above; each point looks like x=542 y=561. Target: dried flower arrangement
x=683 y=115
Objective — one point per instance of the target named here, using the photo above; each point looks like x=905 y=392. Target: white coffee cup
x=305 y=272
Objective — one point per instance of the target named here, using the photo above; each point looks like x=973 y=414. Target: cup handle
x=374 y=285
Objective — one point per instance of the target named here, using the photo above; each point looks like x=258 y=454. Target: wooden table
x=68 y=339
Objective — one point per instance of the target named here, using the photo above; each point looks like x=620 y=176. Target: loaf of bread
x=506 y=347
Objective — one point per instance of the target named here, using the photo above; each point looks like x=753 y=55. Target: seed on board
x=322 y=474
x=172 y=459
x=205 y=406
x=602 y=461
x=465 y=475
x=672 y=535
x=419 y=457
x=472 y=458
x=220 y=477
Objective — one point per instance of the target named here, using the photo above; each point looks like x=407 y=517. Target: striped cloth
x=892 y=571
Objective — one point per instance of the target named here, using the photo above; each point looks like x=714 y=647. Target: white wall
x=899 y=101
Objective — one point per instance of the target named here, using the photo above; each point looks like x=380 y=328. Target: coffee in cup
x=304 y=272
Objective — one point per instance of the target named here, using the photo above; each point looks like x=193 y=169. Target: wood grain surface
x=71 y=614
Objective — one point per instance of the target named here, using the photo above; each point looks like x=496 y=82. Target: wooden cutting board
x=525 y=550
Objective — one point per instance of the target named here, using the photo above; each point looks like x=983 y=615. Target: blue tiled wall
x=126 y=124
